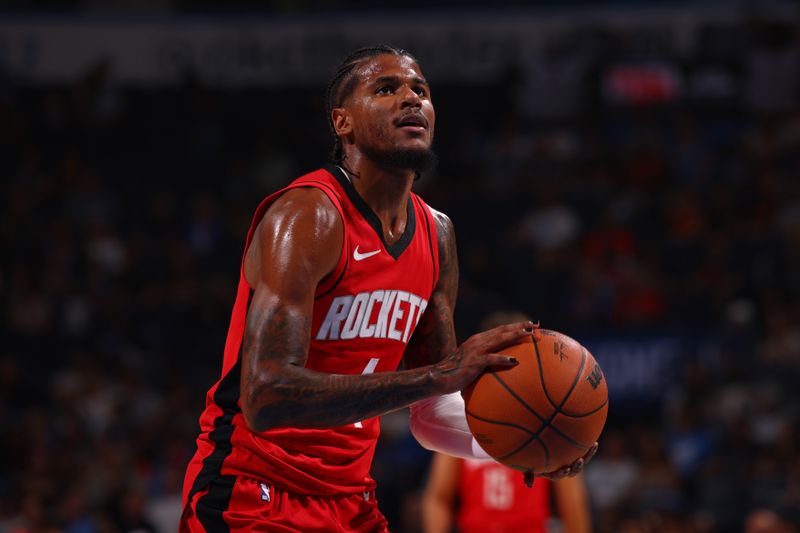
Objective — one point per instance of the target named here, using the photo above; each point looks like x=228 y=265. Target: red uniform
x=494 y=499
x=363 y=316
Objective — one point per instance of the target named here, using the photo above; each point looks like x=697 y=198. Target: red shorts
x=240 y=504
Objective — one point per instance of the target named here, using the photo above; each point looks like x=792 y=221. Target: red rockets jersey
x=494 y=499
x=364 y=314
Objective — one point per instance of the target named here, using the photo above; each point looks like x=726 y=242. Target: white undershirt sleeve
x=439 y=424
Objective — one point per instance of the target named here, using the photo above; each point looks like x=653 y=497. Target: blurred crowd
x=122 y=230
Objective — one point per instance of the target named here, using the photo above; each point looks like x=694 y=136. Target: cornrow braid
x=343 y=83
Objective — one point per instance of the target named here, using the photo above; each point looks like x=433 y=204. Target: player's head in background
x=379 y=107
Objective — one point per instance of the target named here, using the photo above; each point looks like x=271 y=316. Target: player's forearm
x=300 y=397
x=277 y=390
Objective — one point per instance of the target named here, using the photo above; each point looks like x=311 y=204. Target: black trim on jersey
x=430 y=244
x=227 y=397
x=335 y=283
x=372 y=219
x=215 y=502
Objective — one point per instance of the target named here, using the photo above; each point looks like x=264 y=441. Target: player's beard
x=417 y=161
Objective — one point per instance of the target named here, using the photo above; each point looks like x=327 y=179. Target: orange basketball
x=544 y=413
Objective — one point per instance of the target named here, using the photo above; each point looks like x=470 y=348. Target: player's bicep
x=297 y=243
x=295 y=246
x=435 y=335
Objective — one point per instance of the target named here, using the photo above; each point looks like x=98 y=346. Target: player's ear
x=342 y=123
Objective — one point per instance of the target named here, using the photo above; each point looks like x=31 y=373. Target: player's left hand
x=566 y=471
x=574 y=469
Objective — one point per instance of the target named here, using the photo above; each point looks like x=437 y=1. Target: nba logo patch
x=265 y=492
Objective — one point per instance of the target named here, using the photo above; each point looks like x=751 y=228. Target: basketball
x=544 y=413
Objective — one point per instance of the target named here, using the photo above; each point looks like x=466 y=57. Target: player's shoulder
x=303 y=195
x=303 y=205
x=442 y=221
x=311 y=190
x=444 y=226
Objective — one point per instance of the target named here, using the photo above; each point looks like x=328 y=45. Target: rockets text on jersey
x=379 y=314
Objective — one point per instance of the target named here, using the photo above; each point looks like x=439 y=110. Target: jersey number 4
x=369 y=369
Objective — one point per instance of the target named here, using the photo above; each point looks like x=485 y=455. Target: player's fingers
x=504 y=336
x=500 y=334
x=526 y=327
x=558 y=474
x=529 y=479
x=523 y=328
x=591 y=452
x=577 y=467
x=502 y=361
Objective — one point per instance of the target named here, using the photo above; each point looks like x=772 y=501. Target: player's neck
x=385 y=190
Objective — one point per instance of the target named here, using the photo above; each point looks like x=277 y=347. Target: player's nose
x=409 y=97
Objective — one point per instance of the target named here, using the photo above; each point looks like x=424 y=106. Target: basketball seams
x=574 y=383
x=534 y=438
x=557 y=407
x=503 y=423
x=546 y=422
x=580 y=372
x=516 y=397
x=583 y=415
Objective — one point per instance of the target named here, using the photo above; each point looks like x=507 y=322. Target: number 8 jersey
x=364 y=314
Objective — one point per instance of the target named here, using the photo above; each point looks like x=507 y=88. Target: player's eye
x=420 y=91
x=384 y=89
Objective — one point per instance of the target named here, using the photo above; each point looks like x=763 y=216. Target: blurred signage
x=472 y=46
x=237 y=52
x=650 y=83
x=637 y=370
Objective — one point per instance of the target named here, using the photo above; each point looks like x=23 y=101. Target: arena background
x=628 y=174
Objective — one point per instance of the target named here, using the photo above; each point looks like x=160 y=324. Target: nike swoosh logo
x=361 y=256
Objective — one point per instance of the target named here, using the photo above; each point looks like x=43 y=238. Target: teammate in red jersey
x=488 y=497
x=345 y=272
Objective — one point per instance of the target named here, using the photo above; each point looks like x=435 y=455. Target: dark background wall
x=629 y=176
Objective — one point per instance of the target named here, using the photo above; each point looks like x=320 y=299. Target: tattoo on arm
x=282 y=392
x=435 y=337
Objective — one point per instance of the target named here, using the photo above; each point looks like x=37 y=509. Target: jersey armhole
x=433 y=237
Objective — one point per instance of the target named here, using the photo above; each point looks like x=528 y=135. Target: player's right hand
x=459 y=369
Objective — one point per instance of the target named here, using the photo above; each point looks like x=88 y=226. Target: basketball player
x=344 y=273
x=487 y=497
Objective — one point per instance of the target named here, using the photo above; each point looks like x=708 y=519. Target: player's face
x=390 y=108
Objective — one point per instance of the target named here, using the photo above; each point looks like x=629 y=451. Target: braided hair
x=343 y=83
